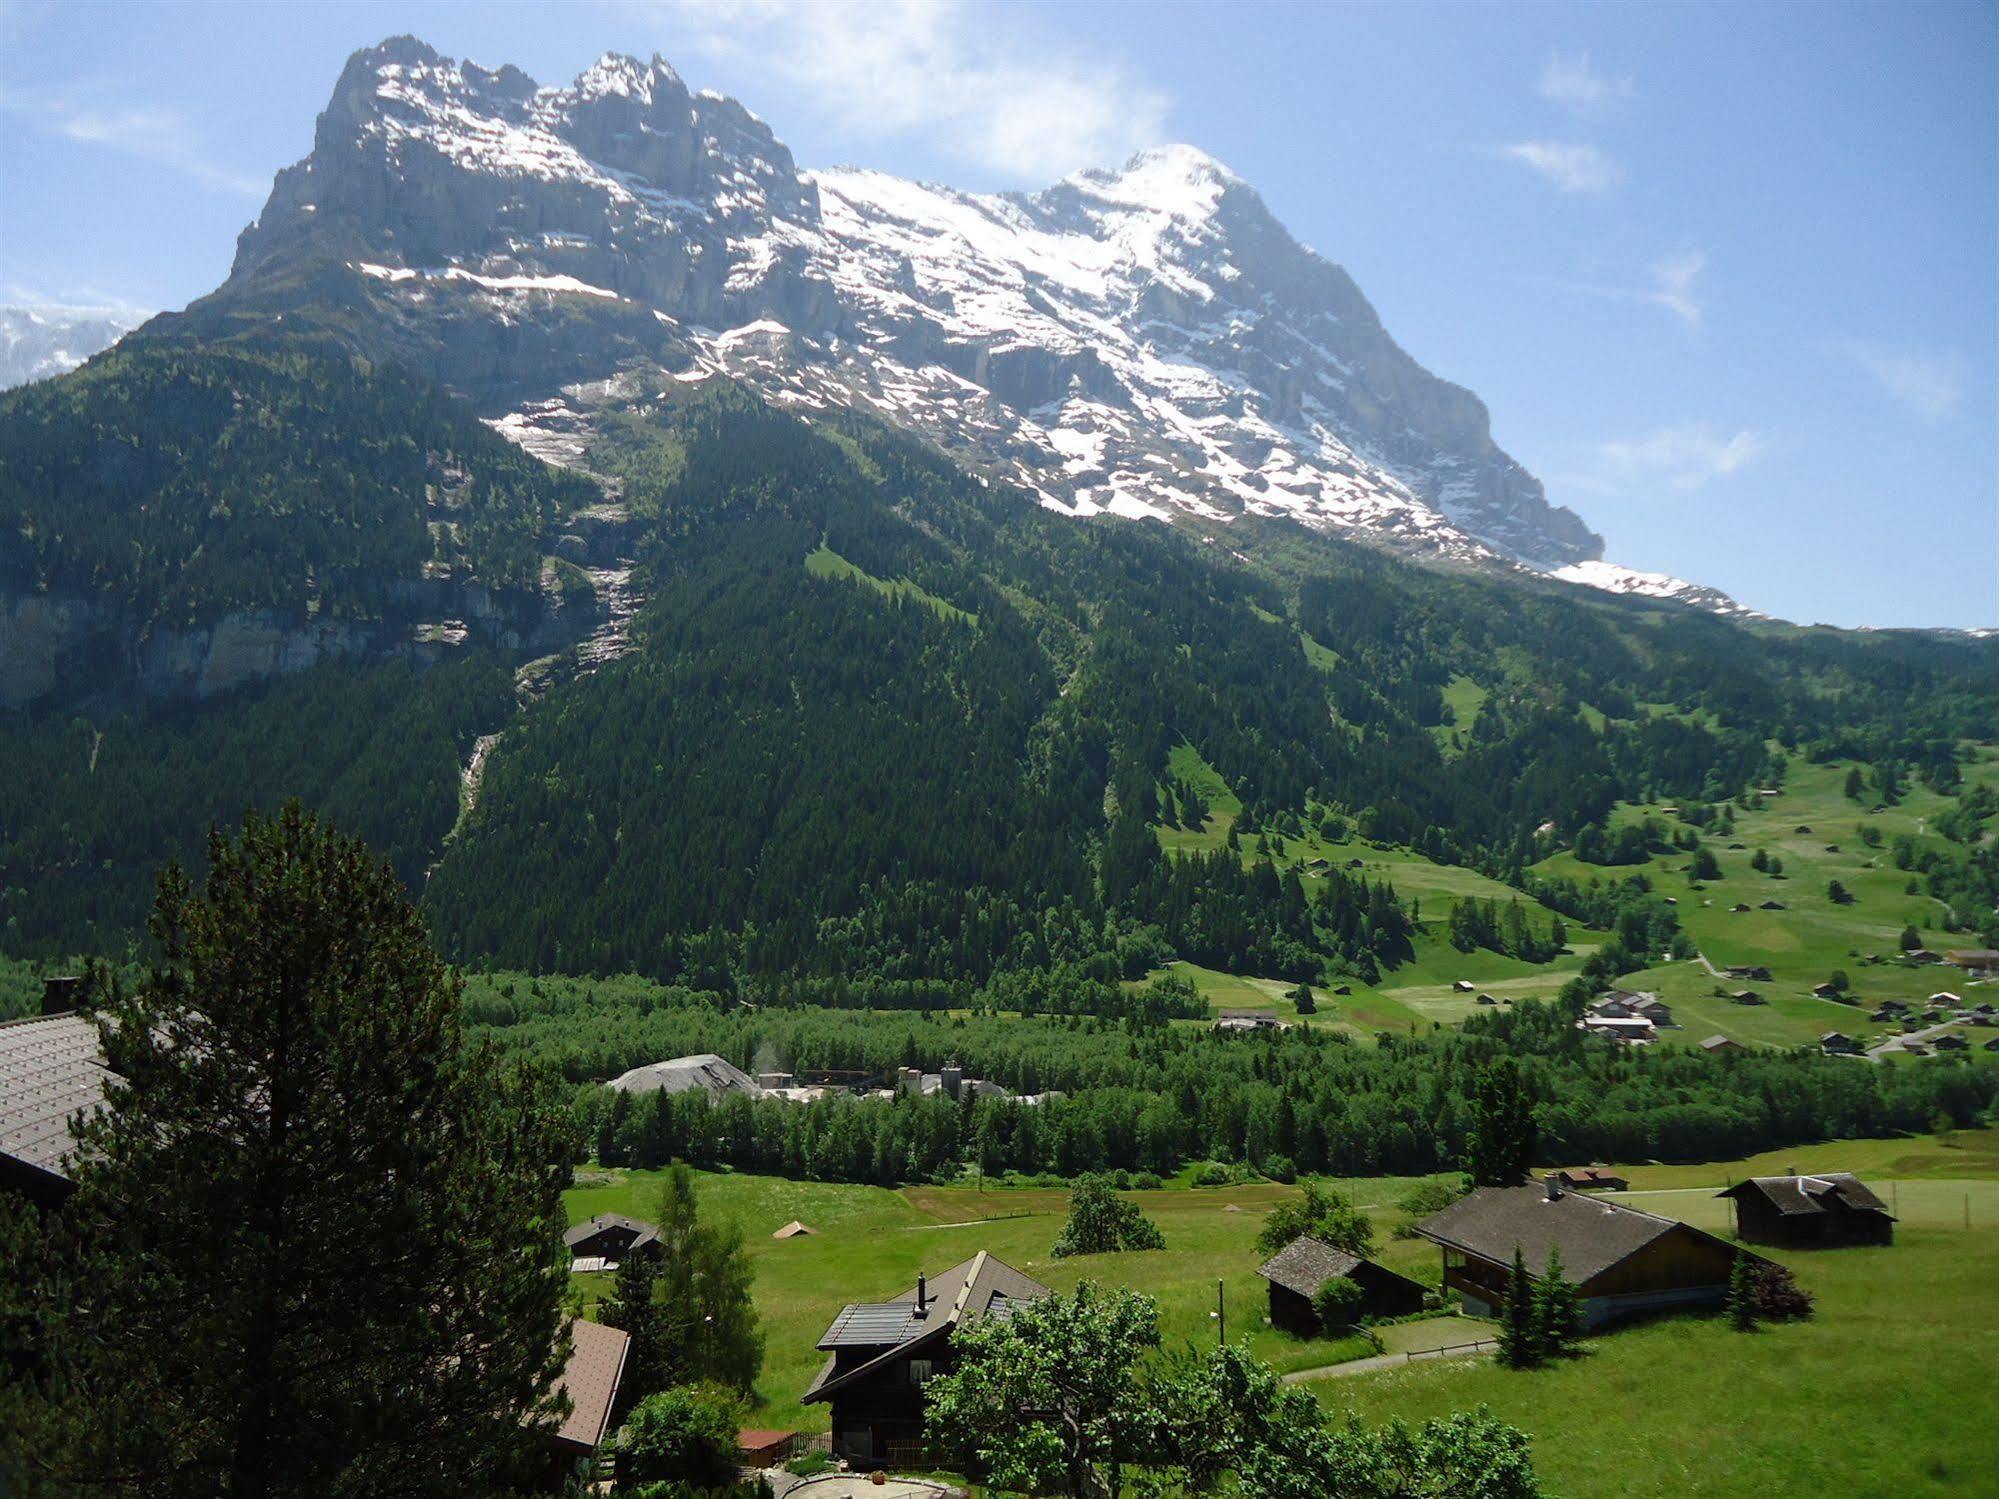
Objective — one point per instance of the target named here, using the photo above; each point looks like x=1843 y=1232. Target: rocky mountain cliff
x=1148 y=341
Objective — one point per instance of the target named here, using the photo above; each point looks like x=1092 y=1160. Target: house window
x=920 y=1369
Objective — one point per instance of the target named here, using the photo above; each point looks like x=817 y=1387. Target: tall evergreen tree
x=1741 y=1306
x=315 y=1244
x=1519 y=1348
x=707 y=1322
x=1558 y=1313
x=633 y=1306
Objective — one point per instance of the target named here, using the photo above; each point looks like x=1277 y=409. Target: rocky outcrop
x=56 y=649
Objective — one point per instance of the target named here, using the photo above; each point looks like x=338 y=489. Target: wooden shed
x=1299 y=1271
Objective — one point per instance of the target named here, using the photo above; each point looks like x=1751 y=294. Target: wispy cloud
x=1570 y=79
x=1928 y=385
x=933 y=68
x=1685 y=457
x=1673 y=286
x=1570 y=165
x=158 y=134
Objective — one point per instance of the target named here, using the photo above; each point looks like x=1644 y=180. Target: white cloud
x=1673 y=286
x=1927 y=385
x=1572 y=167
x=161 y=135
x=1685 y=457
x=935 y=68
x=1571 y=80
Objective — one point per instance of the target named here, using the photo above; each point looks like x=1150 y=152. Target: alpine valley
x=677 y=560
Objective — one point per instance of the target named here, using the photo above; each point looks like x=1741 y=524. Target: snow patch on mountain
x=1611 y=578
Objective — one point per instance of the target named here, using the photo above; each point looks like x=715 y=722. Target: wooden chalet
x=1301 y=1269
x=1974 y=959
x=1625 y=1262
x=879 y=1355
x=1809 y=1212
x=1716 y=1046
x=607 y=1240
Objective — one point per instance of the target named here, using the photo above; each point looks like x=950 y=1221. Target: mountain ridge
x=1147 y=341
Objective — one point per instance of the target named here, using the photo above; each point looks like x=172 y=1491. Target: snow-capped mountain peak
x=1146 y=340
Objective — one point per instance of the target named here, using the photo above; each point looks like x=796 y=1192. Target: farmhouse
x=1950 y=1041
x=1299 y=1271
x=1716 y=1046
x=607 y=1240
x=716 y=1076
x=1634 y=1030
x=51 y=1070
x=1746 y=997
x=1826 y=991
x=1773 y=905
x=1463 y=986
x=1755 y=972
x=1624 y=1261
x=1945 y=997
x=878 y=1355
x=1809 y=1212
x=1592 y=1179
x=1624 y=1004
x=1983 y=960
x=1838 y=1043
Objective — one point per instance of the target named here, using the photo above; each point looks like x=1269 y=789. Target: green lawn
x=1888 y=1391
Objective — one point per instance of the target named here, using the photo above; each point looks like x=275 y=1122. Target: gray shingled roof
x=1594 y=1233
x=714 y=1075
x=1826 y=1192
x=1304 y=1265
x=978 y=1287
x=50 y=1070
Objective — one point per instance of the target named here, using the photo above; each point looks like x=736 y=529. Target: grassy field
x=1887 y=1391
x=824 y=562
x=1888 y=1388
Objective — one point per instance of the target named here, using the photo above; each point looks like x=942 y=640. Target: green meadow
x=1887 y=1389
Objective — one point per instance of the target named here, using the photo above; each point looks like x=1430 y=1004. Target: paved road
x=1387 y=1361
x=1897 y=1043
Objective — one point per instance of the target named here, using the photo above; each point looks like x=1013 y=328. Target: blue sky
x=1727 y=276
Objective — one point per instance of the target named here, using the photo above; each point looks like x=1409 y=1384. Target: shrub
x=1279 y=1168
x=686 y=1434
x=1338 y=1303
x=1320 y=1213
x=1779 y=1297
x=1425 y=1198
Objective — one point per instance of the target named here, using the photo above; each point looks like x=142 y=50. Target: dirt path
x=1383 y=1361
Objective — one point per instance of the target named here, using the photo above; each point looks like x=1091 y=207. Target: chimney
x=1554 y=1183
x=59 y=995
x=922 y=1294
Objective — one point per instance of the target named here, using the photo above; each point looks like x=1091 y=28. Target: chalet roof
x=1593 y=1233
x=1306 y=1264
x=712 y=1074
x=590 y=1379
x=1590 y=1176
x=645 y=1232
x=981 y=1286
x=50 y=1070
x=1832 y=1192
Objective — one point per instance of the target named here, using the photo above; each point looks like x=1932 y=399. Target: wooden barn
x=1809 y=1212
x=1625 y=1262
x=1299 y=1270
x=879 y=1355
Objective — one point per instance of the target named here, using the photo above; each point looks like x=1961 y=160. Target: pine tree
x=1558 y=1313
x=632 y=1307
x=1518 y=1346
x=1741 y=1305
x=708 y=1323
x=1500 y=1147
x=314 y=1243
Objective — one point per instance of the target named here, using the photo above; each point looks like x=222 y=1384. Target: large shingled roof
x=1826 y=1192
x=1593 y=1233
x=590 y=1379
x=50 y=1070
x=715 y=1075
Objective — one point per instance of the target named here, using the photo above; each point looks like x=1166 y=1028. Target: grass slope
x=824 y=562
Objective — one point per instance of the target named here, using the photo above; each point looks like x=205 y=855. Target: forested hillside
x=887 y=732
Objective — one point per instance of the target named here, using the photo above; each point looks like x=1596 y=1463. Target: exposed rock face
x=1149 y=341
x=49 y=644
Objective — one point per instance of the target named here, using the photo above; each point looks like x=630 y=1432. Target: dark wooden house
x=1624 y=1261
x=880 y=1354
x=1299 y=1270
x=607 y=1240
x=590 y=1379
x=1593 y=1179
x=1809 y=1212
